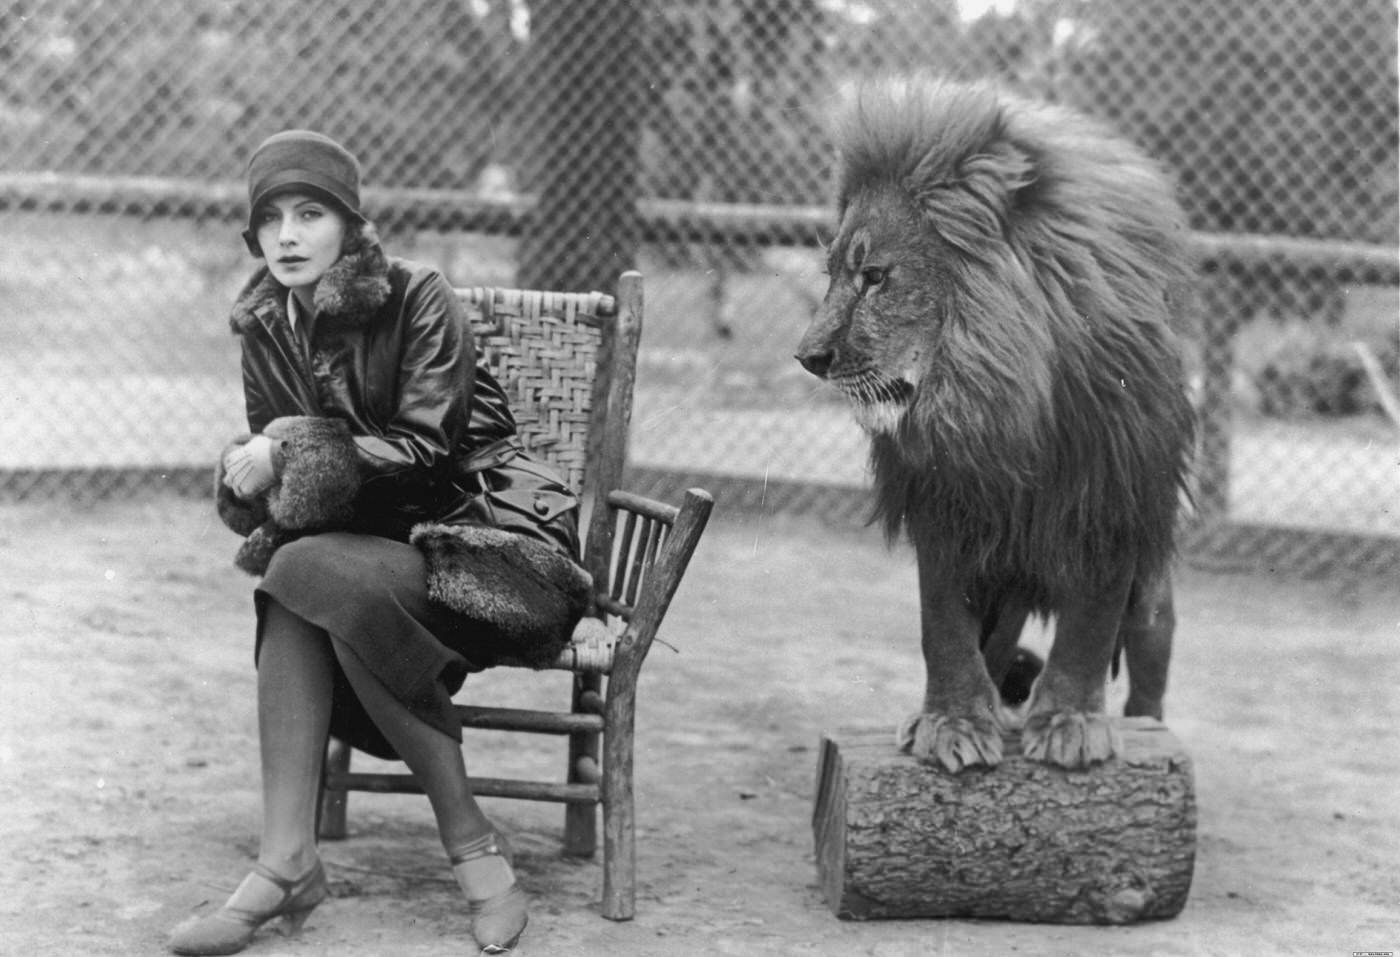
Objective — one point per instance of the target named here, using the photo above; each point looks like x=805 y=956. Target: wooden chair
x=568 y=363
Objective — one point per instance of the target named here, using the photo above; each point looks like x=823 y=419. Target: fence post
x=1223 y=302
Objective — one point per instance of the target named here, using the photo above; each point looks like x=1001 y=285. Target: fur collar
x=347 y=297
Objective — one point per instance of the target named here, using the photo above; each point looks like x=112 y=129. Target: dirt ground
x=129 y=783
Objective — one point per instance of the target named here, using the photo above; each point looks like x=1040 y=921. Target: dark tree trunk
x=586 y=147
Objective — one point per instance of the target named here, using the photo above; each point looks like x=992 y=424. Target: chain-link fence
x=687 y=138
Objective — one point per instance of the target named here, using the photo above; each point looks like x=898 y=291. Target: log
x=1024 y=841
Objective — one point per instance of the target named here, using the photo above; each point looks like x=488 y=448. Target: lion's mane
x=1048 y=443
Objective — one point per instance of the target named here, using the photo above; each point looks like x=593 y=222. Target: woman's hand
x=248 y=468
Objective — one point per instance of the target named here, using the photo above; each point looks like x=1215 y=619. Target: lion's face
x=873 y=335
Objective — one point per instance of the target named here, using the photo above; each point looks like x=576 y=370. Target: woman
x=381 y=481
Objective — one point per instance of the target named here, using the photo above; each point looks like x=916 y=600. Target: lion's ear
x=976 y=203
x=998 y=174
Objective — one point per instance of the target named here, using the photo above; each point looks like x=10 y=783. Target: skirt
x=369 y=595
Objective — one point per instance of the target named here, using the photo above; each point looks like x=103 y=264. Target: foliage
x=735 y=78
x=131 y=87
x=1294 y=368
x=1278 y=118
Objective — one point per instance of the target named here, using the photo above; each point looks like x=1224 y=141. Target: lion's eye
x=872 y=276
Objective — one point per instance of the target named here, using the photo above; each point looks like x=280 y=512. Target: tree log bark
x=1024 y=841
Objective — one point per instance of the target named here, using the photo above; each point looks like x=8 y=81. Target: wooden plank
x=1109 y=845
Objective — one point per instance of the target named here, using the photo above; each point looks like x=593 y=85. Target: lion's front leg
x=960 y=724
x=1065 y=721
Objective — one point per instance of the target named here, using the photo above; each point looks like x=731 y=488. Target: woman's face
x=301 y=237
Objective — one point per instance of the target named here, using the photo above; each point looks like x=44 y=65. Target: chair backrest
x=643 y=528
x=568 y=363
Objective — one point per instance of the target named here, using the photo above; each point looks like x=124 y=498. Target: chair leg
x=619 y=856
x=619 y=820
x=581 y=820
x=332 y=807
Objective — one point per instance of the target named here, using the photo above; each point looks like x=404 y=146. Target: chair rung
x=520 y=719
x=481 y=787
x=537 y=790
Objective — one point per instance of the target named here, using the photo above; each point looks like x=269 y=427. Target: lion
x=1003 y=311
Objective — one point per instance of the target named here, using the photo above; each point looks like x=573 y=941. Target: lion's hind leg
x=1146 y=635
x=1065 y=721
x=1013 y=669
x=961 y=723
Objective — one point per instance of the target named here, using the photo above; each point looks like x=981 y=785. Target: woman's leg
x=296 y=668
x=497 y=905
x=294 y=716
x=295 y=671
x=434 y=758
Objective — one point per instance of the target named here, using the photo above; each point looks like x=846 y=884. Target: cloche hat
x=307 y=160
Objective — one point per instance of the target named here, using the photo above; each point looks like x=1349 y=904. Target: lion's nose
x=817 y=362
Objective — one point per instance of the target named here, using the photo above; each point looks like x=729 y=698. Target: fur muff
x=318 y=479
x=533 y=593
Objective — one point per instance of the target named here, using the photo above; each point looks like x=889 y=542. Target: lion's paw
x=1069 y=739
x=953 y=742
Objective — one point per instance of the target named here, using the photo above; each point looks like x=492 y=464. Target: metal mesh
x=687 y=139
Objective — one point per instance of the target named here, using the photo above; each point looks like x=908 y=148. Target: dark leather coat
x=391 y=354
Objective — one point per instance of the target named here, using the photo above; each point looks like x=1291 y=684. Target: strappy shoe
x=499 y=920
x=229 y=929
